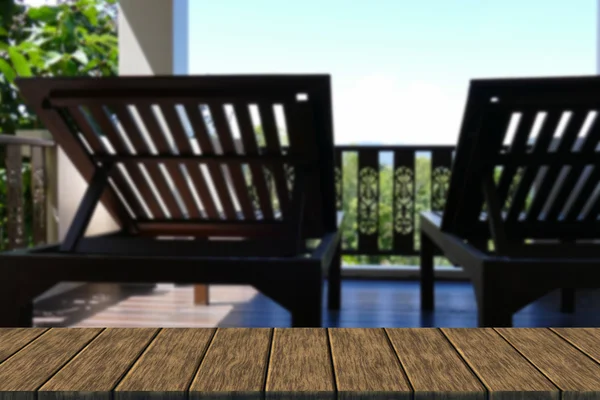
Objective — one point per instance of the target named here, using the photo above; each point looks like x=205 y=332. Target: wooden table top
x=286 y=363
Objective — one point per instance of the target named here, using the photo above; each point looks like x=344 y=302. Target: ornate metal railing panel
x=382 y=190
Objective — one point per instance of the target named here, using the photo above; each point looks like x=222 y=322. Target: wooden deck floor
x=364 y=304
x=257 y=363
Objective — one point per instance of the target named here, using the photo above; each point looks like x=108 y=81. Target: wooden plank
x=14 y=339
x=234 y=365
x=571 y=370
x=433 y=366
x=368 y=201
x=365 y=362
x=404 y=196
x=300 y=365
x=585 y=339
x=504 y=372
x=31 y=367
x=168 y=365
x=95 y=371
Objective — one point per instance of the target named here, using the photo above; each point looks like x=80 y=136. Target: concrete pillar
x=153 y=37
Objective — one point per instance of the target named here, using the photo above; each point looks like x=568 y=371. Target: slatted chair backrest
x=540 y=139
x=199 y=155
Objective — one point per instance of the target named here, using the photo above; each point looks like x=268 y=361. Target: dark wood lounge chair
x=237 y=208
x=534 y=195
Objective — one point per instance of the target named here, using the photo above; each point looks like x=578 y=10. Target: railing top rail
x=392 y=147
x=15 y=140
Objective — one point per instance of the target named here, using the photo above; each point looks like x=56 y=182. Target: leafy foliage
x=76 y=37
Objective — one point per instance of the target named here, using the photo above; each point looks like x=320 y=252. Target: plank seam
x=530 y=362
x=25 y=345
x=197 y=369
x=333 y=374
x=574 y=345
x=467 y=363
x=389 y=340
x=268 y=364
x=464 y=360
x=85 y=346
x=142 y=351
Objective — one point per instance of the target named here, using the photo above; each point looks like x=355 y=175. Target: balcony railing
x=382 y=190
x=24 y=191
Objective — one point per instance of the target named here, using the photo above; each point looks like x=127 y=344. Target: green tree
x=76 y=37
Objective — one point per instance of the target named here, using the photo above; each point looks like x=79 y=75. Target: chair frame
x=274 y=257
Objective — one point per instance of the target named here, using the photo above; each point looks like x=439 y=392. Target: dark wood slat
x=134 y=134
x=585 y=339
x=273 y=146
x=31 y=367
x=441 y=165
x=14 y=339
x=571 y=370
x=404 y=199
x=134 y=172
x=184 y=147
x=211 y=228
x=159 y=140
x=39 y=184
x=168 y=365
x=300 y=362
x=225 y=136
x=207 y=147
x=433 y=366
x=234 y=365
x=86 y=208
x=251 y=148
x=100 y=366
x=542 y=142
x=498 y=365
x=365 y=362
x=339 y=179
x=98 y=148
x=594 y=210
x=588 y=147
x=368 y=200
x=517 y=146
x=14 y=197
x=552 y=172
x=583 y=195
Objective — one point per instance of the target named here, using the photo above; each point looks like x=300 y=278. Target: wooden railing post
x=14 y=196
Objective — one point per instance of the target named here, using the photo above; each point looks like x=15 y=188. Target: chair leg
x=567 y=300
x=26 y=315
x=334 y=281
x=491 y=312
x=427 y=253
x=201 y=295
x=307 y=306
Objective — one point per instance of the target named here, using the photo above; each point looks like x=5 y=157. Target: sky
x=400 y=68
